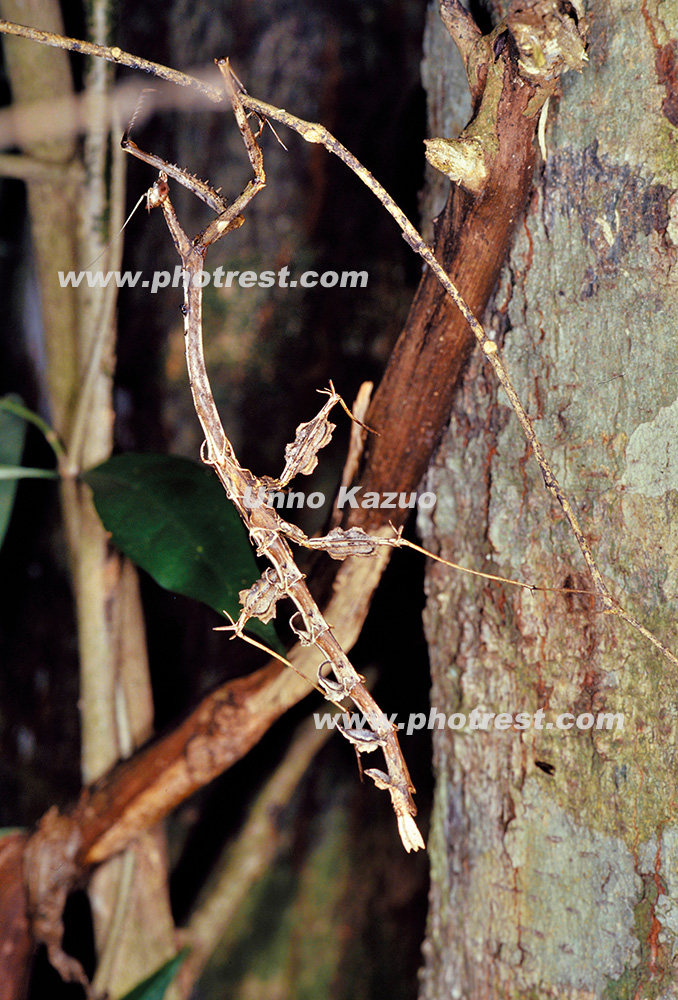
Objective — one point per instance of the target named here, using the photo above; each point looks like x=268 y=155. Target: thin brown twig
x=115 y=55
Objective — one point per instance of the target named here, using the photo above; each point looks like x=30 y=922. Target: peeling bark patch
x=652 y=455
x=665 y=64
x=550 y=854
x=614 y=204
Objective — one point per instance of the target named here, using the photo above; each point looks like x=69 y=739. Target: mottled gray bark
x=564 y=884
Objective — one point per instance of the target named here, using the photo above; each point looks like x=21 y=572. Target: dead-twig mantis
x=268 y=531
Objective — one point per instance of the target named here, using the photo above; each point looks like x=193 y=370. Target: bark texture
x=564 y=884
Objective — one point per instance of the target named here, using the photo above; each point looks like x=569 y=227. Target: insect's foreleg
x=199 y=188
x=229 y=219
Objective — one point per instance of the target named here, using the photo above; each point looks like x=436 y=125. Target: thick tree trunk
x=554 y=851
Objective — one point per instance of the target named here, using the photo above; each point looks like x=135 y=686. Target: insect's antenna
x=137 y=110
x=241 y=85
x=109 y=245
x=267 y=122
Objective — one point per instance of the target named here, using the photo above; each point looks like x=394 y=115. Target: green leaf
x=12 y=436
x=171 y=517
x=154 y=987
